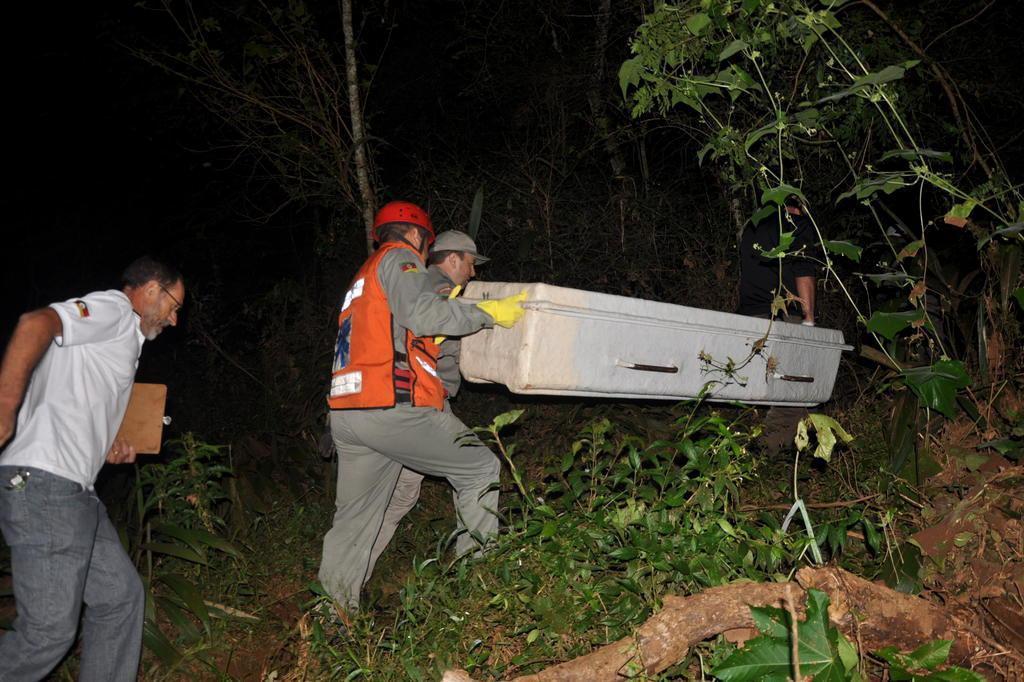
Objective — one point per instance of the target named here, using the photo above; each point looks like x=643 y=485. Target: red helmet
x=402 y=212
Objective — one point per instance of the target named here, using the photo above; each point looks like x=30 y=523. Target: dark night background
x=109 y=158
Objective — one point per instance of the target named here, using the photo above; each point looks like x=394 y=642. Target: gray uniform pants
x=373 y=447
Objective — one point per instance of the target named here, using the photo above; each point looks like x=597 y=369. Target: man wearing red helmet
x=387 y=401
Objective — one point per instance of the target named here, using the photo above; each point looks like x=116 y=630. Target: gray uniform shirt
x=448 y=360
x=416 y=306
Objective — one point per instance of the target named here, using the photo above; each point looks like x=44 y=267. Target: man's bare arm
x=33 y=335
x=805 y=292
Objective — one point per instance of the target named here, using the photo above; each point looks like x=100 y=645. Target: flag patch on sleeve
x=83 y=309
x=409 y=267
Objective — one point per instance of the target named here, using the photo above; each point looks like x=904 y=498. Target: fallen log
x=870 y=615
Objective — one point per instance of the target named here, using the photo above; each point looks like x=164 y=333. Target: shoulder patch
x=83 y=309
x=410 y=267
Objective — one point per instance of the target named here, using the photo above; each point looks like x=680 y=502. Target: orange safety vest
x=365 y=373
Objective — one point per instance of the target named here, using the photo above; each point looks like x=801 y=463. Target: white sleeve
x=93 y=318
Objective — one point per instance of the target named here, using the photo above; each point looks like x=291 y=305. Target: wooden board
x=143 y=424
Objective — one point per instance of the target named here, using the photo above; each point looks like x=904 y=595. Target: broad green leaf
x=962 y=210
x=505 y=418
x=872 y=185
x=826 y=429
x=189 y=595
x=910 y=250
x=698 y=23
x=890 y=324
x=750 y=5
x=851 y=251
x=778 y=195
x=848 y=653
x=629 y=74
x=1018 y=294
x=931 y=655
x=762 y=213
x=938 y=384
x=731 y=49
x=818 y=646
x=785 y=241
x=771 y=621
x=762 y=658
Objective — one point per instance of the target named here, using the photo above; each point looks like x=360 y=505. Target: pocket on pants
x=49 y=510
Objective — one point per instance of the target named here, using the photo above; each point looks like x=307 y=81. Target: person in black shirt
x=793 y=278
x=760 y=277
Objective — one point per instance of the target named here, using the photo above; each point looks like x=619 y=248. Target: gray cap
x=454 y=240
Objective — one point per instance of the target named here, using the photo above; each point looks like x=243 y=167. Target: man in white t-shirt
x=65 y=381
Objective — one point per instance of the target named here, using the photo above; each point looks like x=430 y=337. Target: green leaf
x=624 y=553
x=731 y=49
x=818 y=646
x=771 y=621
x=848 y=653
x=913 y=154
x=629 y=74
x=762 y=213
x=785 y=241
x=1018 y=294
x=750 y=5
x=910 y=250
x=778 y=195
x=197 y=539
x=504 y=419
x=931 y=655
x=851 y=251
x=826 y=429
x=753 y=137
x=698 y=23
x=189 y=595
x=157 y=642
x=1007 y=231
x=762 y=658
x=962 y=210
x=938 y=384
x=890 y=324
x=871 y=537
x=180 y=551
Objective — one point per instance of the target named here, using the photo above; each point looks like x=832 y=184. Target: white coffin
x=574 y=342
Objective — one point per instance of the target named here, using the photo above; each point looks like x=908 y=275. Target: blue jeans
x=65 y=552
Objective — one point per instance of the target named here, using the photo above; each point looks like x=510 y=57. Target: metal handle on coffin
x=669 y=369
x=794 y=377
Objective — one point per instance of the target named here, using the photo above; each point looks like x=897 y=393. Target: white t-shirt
x=79 y=391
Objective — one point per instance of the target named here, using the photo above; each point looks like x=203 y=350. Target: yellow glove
x=505 y=311
x=454 y=292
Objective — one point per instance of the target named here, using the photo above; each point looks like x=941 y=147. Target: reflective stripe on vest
x=364 y=373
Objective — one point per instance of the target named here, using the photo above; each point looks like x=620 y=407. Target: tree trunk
x=873 y=616
x=355 y=107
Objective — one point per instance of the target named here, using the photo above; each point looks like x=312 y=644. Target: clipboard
x=143 y=424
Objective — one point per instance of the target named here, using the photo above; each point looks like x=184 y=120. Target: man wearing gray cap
x=452 y=263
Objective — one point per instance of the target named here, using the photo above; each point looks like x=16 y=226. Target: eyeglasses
x=177 y=303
